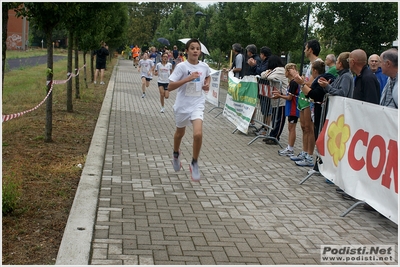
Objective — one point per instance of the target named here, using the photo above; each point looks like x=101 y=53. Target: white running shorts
x=185 y=119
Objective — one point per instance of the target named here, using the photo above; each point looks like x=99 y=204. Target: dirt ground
x=48 y=174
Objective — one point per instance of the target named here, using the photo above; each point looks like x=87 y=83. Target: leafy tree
x=229 y=25
x=144 y=20
x=71 y=22
x=352 y=25
x=277 y=25
x=38 y=13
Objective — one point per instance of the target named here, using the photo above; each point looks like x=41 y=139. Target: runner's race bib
x=193 y=88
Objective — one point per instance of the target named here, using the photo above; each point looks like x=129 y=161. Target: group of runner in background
x=160 y=63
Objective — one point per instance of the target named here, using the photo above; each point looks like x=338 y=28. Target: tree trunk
x=77 y=92
x=69 y=71
x=5 y=21
x=84 y=69
x=91 y=66
x=49 y=101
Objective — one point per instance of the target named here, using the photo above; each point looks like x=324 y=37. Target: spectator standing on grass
x=101 y=60
x=163 y=71
x=291 y=111
x=191 y=78
x=374 y=64
x=366 y=85
x=146 y=68
x=390 y=96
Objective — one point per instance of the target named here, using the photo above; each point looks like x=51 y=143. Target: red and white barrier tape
x=19 y=114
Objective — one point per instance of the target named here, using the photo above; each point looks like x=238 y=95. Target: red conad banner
x=359 y=149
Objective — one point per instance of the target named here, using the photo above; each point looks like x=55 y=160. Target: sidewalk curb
x=75 y=245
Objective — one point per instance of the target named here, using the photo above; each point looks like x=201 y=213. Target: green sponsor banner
x=241 y=101
x=243 y=91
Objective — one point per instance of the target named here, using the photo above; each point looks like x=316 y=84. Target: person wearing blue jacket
x=374 y=64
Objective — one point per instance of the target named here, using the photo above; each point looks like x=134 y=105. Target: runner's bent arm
x=174 y=85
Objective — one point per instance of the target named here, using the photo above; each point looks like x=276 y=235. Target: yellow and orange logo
x=338 y=135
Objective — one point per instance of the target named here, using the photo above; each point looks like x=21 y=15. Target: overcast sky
x=205 y=3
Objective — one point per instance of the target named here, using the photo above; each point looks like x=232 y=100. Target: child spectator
x=291 y=111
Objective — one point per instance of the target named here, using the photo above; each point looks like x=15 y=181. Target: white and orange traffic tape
x=53 y=82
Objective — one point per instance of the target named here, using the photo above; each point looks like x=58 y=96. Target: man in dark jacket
x=101 y=58
x=253 y=60
x=265 y=53
x=366 y=86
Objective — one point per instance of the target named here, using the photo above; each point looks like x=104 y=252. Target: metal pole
x=205 y=34
x=305 y=40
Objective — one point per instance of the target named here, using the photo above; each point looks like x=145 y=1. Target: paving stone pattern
x=248 y=207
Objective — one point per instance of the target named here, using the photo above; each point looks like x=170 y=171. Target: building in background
x=17 y=32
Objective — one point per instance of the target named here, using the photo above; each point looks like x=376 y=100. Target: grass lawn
x=42 y=178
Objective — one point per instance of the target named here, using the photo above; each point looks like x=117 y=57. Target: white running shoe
x=162 y=110
x=306 y=162
x=176 y=162
x=194 y=171
x=143 y=95
x=95 y=82
x=102 y=83
x=300 y=156
x=286 y=152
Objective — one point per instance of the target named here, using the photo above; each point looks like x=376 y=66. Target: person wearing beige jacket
x=276 y=75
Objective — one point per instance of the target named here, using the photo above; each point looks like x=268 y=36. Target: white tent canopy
x=203 y=47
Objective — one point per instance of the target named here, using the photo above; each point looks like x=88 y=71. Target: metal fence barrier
x=269 y=113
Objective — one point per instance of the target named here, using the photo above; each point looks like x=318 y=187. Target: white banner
x=241 y=100
x=213 y=95
x=359 y=150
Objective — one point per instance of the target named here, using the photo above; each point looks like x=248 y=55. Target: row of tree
x=87 y=24
x=342 y=26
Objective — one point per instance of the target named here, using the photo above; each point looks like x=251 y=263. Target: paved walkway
x=248 y=208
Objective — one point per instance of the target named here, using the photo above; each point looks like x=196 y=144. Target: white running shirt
x=163 y=72
x=145 y=66
x=190 y=96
